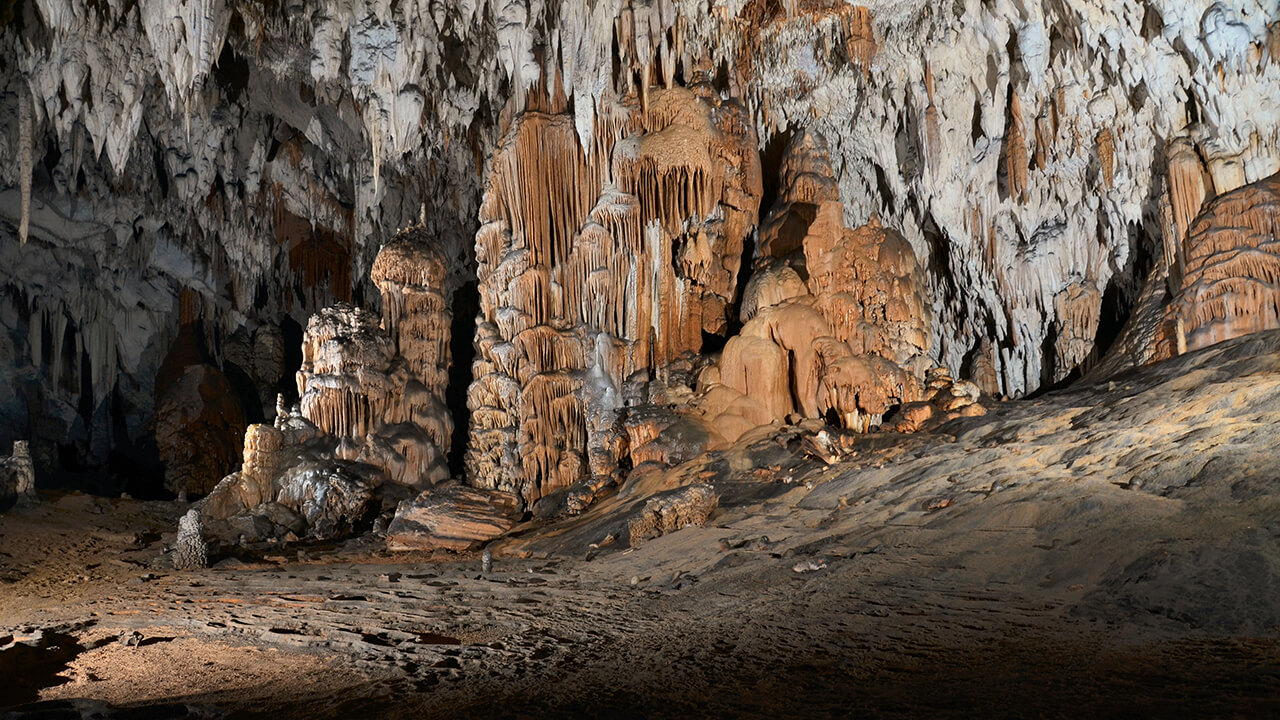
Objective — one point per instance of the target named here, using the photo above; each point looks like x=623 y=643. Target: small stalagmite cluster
x=600 y=266
x=836 y=320
x=1231 y=282
x=377 y=385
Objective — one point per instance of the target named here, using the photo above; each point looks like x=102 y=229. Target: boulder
x=453 y=517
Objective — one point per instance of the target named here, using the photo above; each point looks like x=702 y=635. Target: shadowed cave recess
x=671 y=357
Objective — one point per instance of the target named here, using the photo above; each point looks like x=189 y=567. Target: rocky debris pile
x=17 y=477
x=948 y=399
x=670 y=511
x=452 y=517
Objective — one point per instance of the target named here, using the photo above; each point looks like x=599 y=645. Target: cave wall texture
x=233 y=167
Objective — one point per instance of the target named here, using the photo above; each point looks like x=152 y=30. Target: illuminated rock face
x=256 y=156
x=1231 y=283
x=598 y=265
x=377 y=385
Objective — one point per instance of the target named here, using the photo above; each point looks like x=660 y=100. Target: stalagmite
x=377 y=384
x=17 y=477
x=262 y=444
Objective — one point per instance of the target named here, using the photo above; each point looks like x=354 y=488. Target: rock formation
x=845 y=345
x=258 y=156
x=671 y=511
x=1229 y=286
x=453 y=517
x=17 y=476
x=599 y=263
x=377 y=385
x=371 y=411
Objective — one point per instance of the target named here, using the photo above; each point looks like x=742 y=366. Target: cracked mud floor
x=1113 y=550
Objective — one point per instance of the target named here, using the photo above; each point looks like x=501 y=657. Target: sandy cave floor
x=1112 y=550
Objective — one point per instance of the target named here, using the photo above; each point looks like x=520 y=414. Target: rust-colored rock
x=599 y=266
x=453 y=517
x=1230 y=287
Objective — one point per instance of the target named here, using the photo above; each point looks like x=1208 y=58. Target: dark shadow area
x=1014 y=674
x=291 y=331
x=27 y=669
x=462 y=350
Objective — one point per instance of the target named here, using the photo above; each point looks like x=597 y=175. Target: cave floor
x=1113 y=549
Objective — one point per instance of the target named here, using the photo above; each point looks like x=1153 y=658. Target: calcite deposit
x=847 y=344
x=1228 y=286
x=377 y=385
x=257 y=157
x=599 y=263
x=800 y=329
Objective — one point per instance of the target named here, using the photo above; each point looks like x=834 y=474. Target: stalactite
x=1015 y=150
x=1106 y=155
x=25 y=141
x=1189 y=187
x=932 y=130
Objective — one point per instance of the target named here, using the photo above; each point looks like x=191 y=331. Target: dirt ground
x=1109 y=551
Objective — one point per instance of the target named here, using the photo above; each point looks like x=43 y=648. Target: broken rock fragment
x=453 y=517
x=671 y=511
